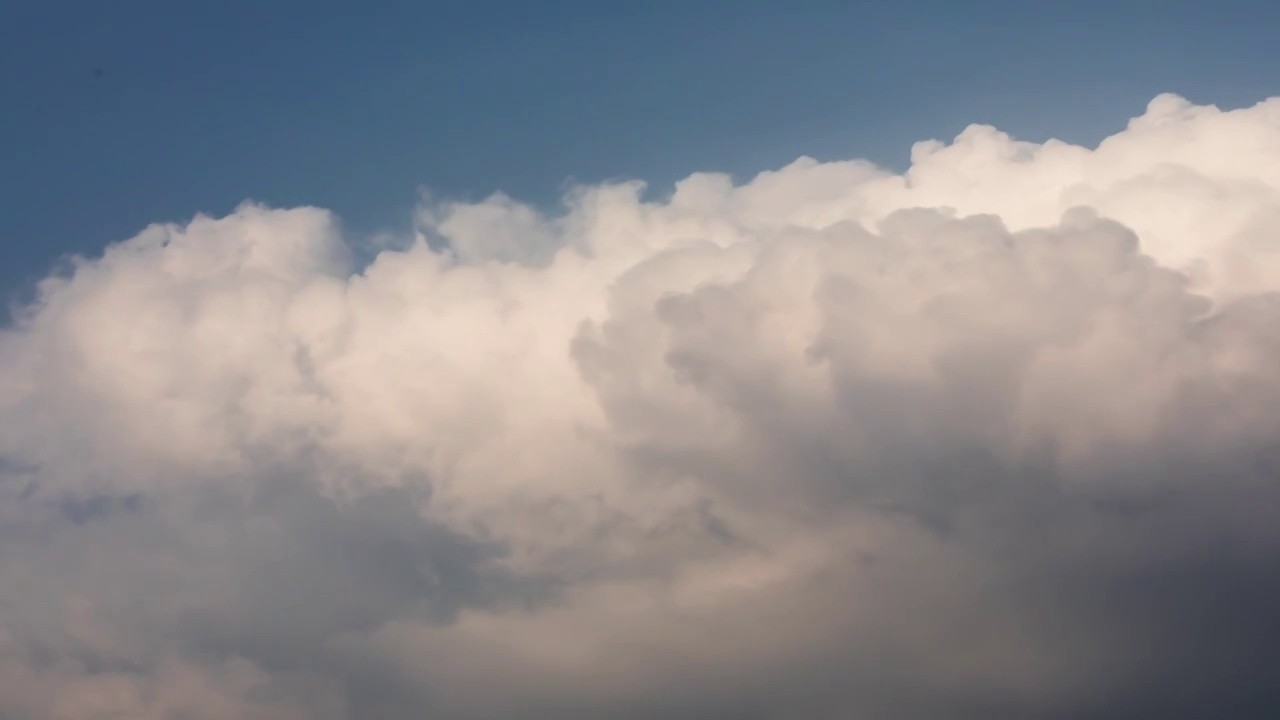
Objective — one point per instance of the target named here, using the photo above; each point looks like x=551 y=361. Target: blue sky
x=117 y=114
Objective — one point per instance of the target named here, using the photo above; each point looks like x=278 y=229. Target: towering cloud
x=995 y=437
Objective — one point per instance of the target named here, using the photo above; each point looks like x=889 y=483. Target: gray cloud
x=992 y=438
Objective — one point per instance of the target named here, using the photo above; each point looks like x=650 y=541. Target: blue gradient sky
x=117 y=114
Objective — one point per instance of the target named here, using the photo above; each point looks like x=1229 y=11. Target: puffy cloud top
x=995 y=437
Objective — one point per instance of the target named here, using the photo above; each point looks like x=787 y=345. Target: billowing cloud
x=994 y=437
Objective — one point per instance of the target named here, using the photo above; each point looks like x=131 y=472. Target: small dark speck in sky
x=97 y=72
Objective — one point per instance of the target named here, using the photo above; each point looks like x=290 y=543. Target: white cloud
x=973 y=437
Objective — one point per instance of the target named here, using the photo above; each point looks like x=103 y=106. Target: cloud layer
x=995 y=437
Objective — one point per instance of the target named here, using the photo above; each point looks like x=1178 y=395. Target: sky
x=201 y=106
x=932 y=374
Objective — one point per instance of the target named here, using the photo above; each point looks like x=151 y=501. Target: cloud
x=994 y=437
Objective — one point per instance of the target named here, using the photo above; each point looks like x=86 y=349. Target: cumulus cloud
x=993 y=437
